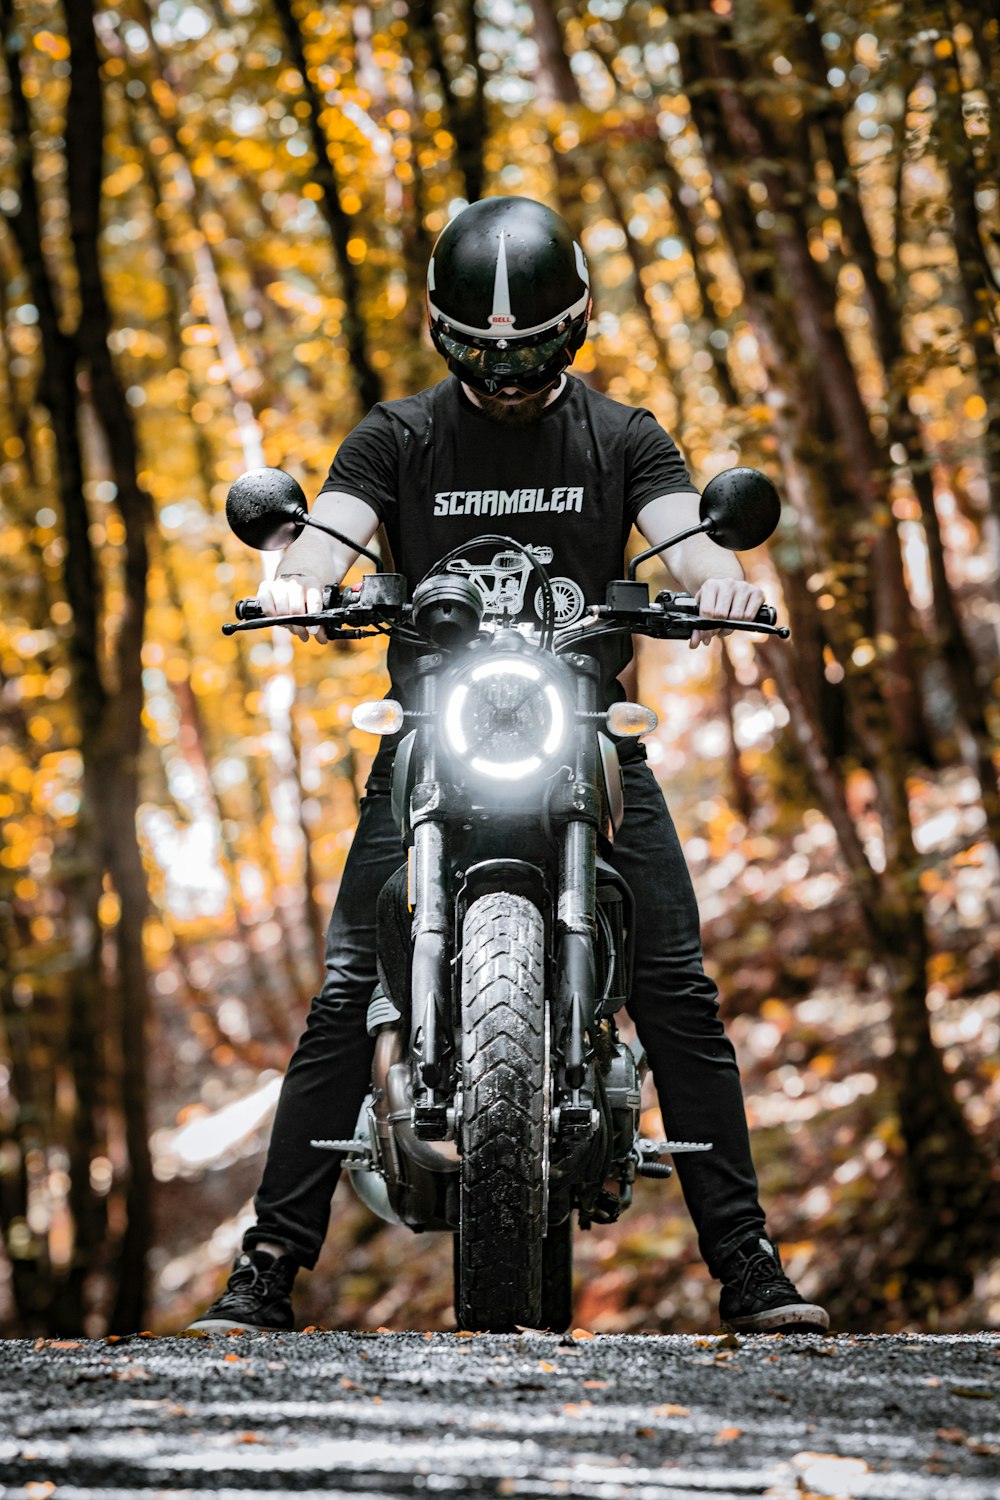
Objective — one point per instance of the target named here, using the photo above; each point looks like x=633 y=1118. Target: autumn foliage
x=215 y=220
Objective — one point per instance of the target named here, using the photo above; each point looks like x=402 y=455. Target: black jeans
x=674 y=1005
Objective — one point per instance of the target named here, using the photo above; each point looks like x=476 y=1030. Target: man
x=511 y=443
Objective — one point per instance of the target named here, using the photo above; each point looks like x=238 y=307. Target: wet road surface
x=387 y=1415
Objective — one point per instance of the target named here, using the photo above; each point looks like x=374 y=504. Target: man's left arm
x=709 y=572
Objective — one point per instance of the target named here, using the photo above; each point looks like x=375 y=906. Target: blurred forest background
x=215 y=220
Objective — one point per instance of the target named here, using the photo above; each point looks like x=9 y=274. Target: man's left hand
x=725 y=599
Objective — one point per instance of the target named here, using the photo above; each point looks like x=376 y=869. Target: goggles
x=488 y=368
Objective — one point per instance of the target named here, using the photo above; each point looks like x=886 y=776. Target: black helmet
x=508 y=295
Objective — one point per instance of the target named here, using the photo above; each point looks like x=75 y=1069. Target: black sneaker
x=757 y=1296
x=257 y=1296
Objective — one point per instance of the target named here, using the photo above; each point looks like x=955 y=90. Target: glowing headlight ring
x=455 y=731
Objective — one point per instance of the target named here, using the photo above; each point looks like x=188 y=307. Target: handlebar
x=380 y=604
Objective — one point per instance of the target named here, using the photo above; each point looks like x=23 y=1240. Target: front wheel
x=499 y=1258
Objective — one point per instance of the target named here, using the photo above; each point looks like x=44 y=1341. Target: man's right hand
x=301 y=594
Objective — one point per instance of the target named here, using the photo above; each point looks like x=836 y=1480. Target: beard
x=514 y=411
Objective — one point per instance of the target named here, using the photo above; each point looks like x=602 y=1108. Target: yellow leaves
x=108 y=909
x=127 y=176
x=40 y=728
x=975 y=408
x=156 y=939
x=357 y=250
x=199 y=334
x=56 y=47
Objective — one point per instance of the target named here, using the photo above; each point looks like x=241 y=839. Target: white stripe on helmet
x=501 y=317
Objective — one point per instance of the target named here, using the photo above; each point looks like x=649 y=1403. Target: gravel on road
x=412 y=1414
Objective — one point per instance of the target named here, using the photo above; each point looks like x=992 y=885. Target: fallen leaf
x=972 y=1392
x=250 y=1437
x=645 y=1432
x=595 y=1385
x=543 y=1364
x=951 y=1434
x=727 y=1435
x=581 y=1333
x=65 y=1344
x=668 y=1409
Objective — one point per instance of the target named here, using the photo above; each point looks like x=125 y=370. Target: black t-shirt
x=438 y=472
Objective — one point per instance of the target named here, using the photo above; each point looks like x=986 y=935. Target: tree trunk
x=369 y=382
x=465 y=116
x=947 y=1179
x=58 y=393
x=112 y=756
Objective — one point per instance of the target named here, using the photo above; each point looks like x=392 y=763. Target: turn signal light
x=382 y=717
x=631 y=718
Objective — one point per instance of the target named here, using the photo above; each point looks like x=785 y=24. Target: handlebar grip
x=249 y=609
x=766 y=615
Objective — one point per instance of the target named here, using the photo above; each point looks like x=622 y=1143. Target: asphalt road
x=380 y=1415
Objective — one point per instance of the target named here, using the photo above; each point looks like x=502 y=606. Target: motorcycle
x=503 y=1101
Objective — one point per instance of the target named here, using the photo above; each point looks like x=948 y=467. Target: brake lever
x=684 y=624
x=265 y=622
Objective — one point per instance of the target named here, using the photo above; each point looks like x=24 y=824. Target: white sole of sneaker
x=227 y=1325
x=797 y=1317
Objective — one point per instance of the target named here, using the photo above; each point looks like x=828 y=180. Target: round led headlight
x=505 y=718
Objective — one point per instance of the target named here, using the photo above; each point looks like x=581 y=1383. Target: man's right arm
x=315 y=559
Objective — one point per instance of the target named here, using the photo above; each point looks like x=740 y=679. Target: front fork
x=576 y=811
x=432 y=921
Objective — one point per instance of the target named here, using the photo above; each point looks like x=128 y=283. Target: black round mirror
x=743 y=507
x=266 y=509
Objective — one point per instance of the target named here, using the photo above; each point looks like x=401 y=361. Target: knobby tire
x=500 y=1250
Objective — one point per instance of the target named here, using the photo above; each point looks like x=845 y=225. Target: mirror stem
x=307 y=520
x=681 y=536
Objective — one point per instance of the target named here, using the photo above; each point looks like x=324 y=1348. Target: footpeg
x=357 y=1153
x=669 y=1148
x=648 y=1152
